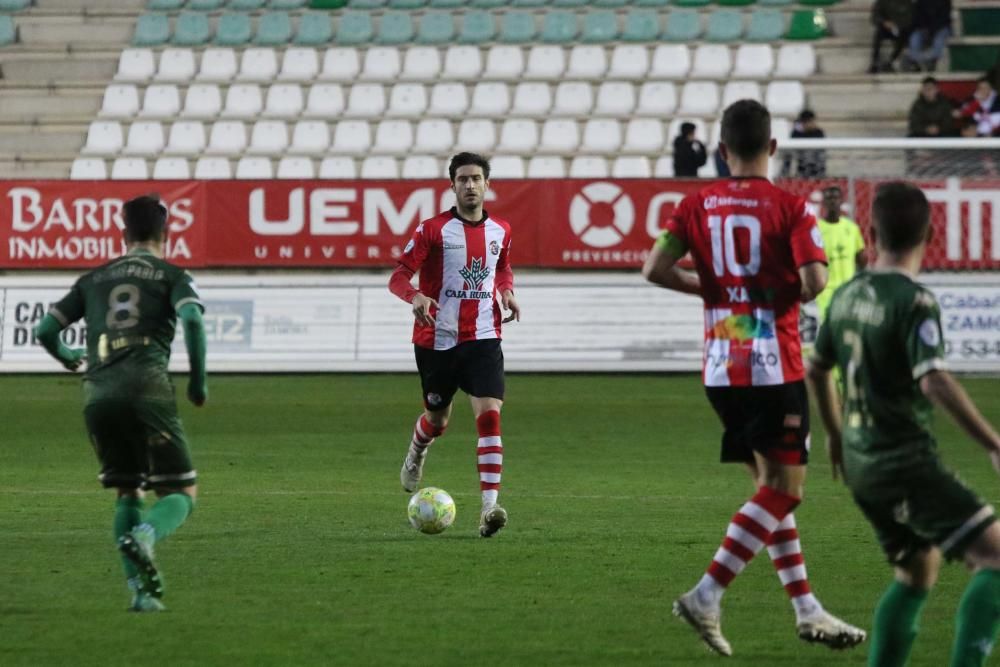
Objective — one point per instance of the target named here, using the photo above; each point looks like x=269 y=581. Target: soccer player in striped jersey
x=883 y=331
x=463 y=258
x=757 y=254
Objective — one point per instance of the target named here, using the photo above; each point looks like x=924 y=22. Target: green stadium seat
x=314 y=28
x=192 y=29
x=683 y=25
x=367 y=4
x=327 y=4
x=775 y=3
x=819 y=3
x=652 y=3
x=641 y=25
x=766 y=25
x=477 y=26
x=807 y=24
x=274 y=28
x=8 y=31
x=284 y=5
x=205 y=5
x=233 y=29
x=736 y=3
x=151 y=30
x=245 y=5
x=570 y=3
x=447 y=4
x=691 y=3
x=395 y=28
x=528 y=3
x=355 y=28
x=517 y=27
x=489 y=4
x=406 y=4
x=559 y=26
x=154 y=5
x=436 y=28
x=724 y=25
x=610 y=3
x=600 y=27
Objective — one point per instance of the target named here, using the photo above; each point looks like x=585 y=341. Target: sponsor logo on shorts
x=433 y=399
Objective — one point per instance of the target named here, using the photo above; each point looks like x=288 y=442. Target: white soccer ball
x=431 y=510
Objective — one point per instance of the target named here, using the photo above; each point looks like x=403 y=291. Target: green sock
x=895 y=625
x=128 y=515
x=977 y=620
x=169 y=513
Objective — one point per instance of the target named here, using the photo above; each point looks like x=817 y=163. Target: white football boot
x=825 y=628
x=491 y=520
x=707 y=622
x=412 y=471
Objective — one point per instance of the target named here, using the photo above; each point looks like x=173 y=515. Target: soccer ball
x=431 y=510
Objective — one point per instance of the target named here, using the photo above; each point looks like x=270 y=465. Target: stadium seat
x=433 y=136
x=781 y=128
x=488 y=4
x=545 y=62
x=601 y=136
x=233 y=30
x=631 y=167
x=683 y=25
x=380 y=168
x=615 y=98
x=664 y=167
x=559 y=135
x=588 y=166
x=559 y=27
x=436 y=28
x=724 y=25
x=490 y=99
x=796 y=61
x=135 y=65
x=506 y=166
x=258 y=64
x=699 y=98
x=573 y=98
x=144 y=138
x=340 y=64
x=766 y=25
x=88 y=169
x=448 y=99
x=394 y=137
x=691 y=3
x=477 y=135
x=325 y=100
x=269 y=137
x=656 y=98
x=217 y=65
x=599 y=27
x=504 y=62
x=785 y=98
x=129 y=169
x=186 y=138
x=150 y=30
x=205 y=5
x=338 y=168
x=246 y=5
x=120 y=101
x=176 y=65
x=518 y=135
x=8 y=30
x=477 y=27
x=587 y=62
x=367 y=4
x=381 y=63
x=293 y=167
x=14 y=5
x=421 y=63
x=315 y=29
x=351 y=137
x=284 y=100
x=273 y=29
x=736 y=3
x=711 y=61
x=670 y=61
x=243 y=100
x=406 y=4
x=254 y=168
x=629 y=61
x=310 y=136
x=528 y=3
x=462 y=62
x=228 y=137
x=299 y=64
x=740 y=90
x=448 y=4
x=355 y=28
x=407 y=100
x=366 y=100
x=643 y=135
x=543 y=166
x=532 y=99
x=776 y=3
x=161 y=101
x=191 y=29
x=641 y=25
x=202 y=101
x=287 y=4
x=421 y=166
x=754 y=61
x=517 y=27
x=395 y=28
x=213 y=168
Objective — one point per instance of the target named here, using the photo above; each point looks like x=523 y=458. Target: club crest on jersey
x=494 y=248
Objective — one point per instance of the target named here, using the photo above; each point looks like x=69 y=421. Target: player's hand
x=995 y=459
x=422 y=305
x=509 y=303
x=75 y=359
x=835 y=450
x=197 y=393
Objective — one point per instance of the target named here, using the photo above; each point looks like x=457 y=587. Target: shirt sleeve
x=806 y=239
x=417 y=249
x=675 y=234
x=70 y=308
x=505 y=274
x=924 y=342
x=185 y=291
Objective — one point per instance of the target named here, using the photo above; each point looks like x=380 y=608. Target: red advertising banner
x=565 y=223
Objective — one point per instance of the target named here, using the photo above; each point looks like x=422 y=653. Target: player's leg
x=978 y=617
x=438 y=385
x=897 y=614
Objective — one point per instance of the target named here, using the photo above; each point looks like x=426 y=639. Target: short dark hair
x=746 y=128
x=901 y=215
x=687 y=127
x=145 y=219
x=806 y=115
x=928 y=79
x=464 y=159
x=833 y=188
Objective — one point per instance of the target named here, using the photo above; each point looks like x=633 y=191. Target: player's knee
x=438 y=422
x=129 y=493
x=921 y=569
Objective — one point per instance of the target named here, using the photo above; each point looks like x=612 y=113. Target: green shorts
x=140 y=444
x=922 y=505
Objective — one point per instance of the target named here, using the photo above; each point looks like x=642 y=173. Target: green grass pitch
x=299 y=552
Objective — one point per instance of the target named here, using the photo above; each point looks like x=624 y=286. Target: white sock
x=709 y=591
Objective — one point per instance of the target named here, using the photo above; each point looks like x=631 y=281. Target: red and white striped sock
x=424 y=433
x=489 y=454
x=785 y=550
x=745 y=537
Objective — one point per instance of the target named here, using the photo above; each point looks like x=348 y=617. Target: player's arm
x=813 y=277
x=197 y=346
x=661 y=265
x=400 y=282
x=944 y=391
x=827 y=398
x=505 y=284
x=860 y=256
x=807 y=250
x=47 y=332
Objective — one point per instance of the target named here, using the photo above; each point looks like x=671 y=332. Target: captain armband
x=667 y=242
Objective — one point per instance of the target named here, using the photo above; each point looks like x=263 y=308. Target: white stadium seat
x=217 y=65
x=462 y=62
x=393 y=136
x=129 y=169
x=161 y=101
x=478 y=136
x=176 y=65
x=325 y=100
x=504 y=62
x=299 y=64
x=340 y=63
x=753 y=61
x=258 y=64
x=186 y=138
x=284 y=100
x=228 y=137
x=490 y=99
x=448 y=99
x=629 y=61
x=351 y=137
x=644 y=135
x=795 y=61
x=421 y=63
x=543 y=166
x=670 y=61
x=203 y=100
x=254 y=168
x=715 y=131
x=379 y=167
x=135 y=65
x=104 y=137
x=740 y=90
x=532 y=99
x=781 y=128
x=421 y=166
x=407 y=100
x=243 y=100
x=656 y=98
x=545 y=62
x=518 y=135
x=366 y=100
x=559 y=136
x=711 y=61
x=310 y=136
x=382 y=63
x=664 y=167
x=587 y=61
x=506 y=166
x=434 y=136
x=601 y=136
x=171 y=168
x=296 y=167
x=120 y=101
x=213 y=168
x=588 y=166
x=615 y=98
x=87 y=169
x=144 y=138
x=785 y=98
x=631 y=167
x=269 y=137
x=338 y=167
x=573 y=98
x=700 y=98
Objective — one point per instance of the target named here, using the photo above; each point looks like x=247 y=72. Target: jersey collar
x=454 y=213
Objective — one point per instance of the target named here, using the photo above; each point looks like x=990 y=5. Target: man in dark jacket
x=811 y=163
x=931 y=30
x=892 y=20
x=931 y=112
x=689 y=153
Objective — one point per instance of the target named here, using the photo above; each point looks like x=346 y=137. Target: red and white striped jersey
x=747 y=239
x=462 y=265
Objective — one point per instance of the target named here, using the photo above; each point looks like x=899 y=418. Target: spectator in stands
x=892 y=20
x=931 y=112
x=930 y=32
x=689 y=153
x=811 y=163
x=983 y=108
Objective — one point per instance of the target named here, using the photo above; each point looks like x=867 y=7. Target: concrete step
x=65 y=67
x=69 y=30
x=34 y=169
x=38 y=141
